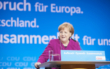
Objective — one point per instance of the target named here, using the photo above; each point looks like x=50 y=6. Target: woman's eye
x=60 y=32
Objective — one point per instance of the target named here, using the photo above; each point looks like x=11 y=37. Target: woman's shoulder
x=76 y=44
x=74 y=41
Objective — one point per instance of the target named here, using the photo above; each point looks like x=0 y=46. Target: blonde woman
x=64 y=42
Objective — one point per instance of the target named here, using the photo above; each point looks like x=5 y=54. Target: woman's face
x=64 y=35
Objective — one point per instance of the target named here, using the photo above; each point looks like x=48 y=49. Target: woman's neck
x=65 y=43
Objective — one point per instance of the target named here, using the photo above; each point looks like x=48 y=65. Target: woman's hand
x=36 y=64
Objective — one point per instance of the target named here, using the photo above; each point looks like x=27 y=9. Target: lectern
x=74 y=64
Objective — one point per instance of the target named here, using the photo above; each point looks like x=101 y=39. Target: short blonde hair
x=66 y=25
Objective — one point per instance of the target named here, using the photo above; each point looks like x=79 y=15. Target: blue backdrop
x=26 y=27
